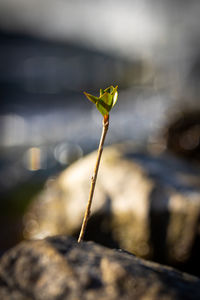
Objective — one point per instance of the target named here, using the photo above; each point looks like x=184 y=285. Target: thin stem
x=94 y=177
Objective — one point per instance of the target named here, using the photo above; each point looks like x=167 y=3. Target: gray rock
x=146 y=203
x=60 y=268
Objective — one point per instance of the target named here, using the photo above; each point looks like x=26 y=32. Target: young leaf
x=91 y=98
x=101 y=92
x=106 y=100
x=115 y=96
x=102 y=108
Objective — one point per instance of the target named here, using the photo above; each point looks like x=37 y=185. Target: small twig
x=94 y=177
x=104 y=103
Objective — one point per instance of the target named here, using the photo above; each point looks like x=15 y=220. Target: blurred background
x=52 y=51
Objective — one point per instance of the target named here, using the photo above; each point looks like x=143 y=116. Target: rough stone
x=146 y=203
x=59 y=268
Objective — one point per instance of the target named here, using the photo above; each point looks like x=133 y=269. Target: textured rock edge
x=60 y=268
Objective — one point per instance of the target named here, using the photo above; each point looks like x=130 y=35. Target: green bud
x=106 y=100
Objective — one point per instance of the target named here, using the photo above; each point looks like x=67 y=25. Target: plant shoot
x=104 y=104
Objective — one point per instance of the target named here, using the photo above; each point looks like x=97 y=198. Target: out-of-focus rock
x=146 y=203
x=60 y=268
x=183 y=135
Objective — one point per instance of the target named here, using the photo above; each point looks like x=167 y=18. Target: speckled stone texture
x=59 y=268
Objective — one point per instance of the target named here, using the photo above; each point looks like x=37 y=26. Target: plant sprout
x=104 y=104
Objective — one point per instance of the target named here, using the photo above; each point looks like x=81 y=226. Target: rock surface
x=59 y=268
x=145 y=203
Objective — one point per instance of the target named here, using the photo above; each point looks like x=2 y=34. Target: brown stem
x=94 y=177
